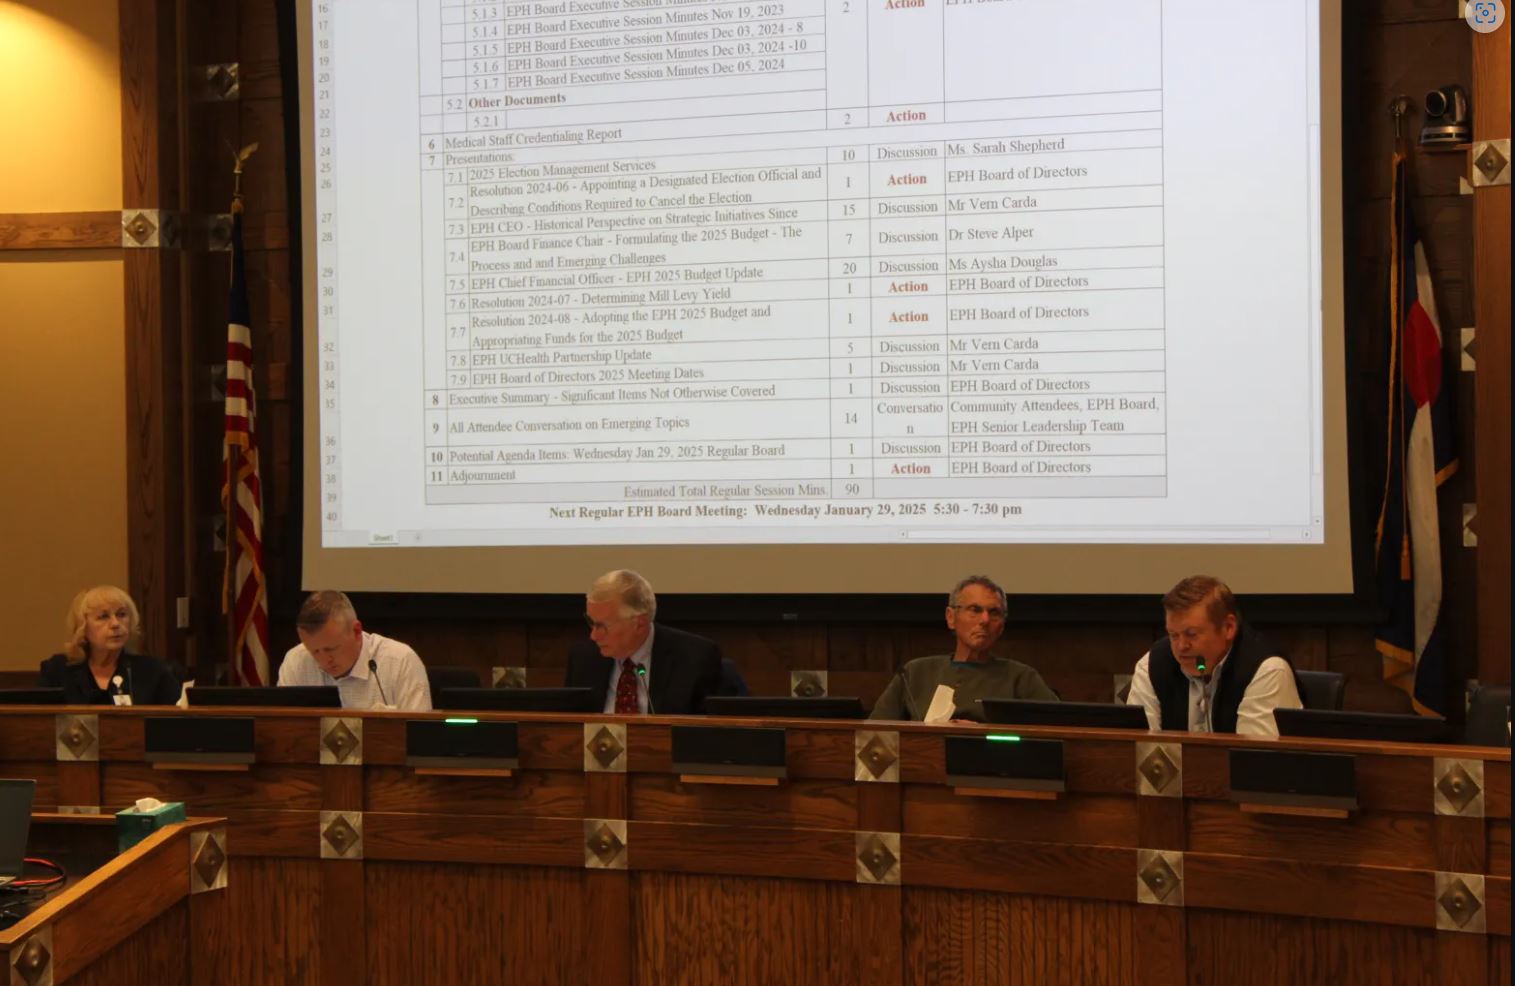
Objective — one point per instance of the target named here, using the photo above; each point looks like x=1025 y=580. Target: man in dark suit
x=634 y=664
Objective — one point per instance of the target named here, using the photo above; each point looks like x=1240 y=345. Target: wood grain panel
x=1161 y=823
x=454 y=923
x=1283 y=886
x=1003 y=940
x=1499 y=961
x=799 y=803
x=1388 y=839
x=155 y=421
x=26 y=736
x=60 y=230
x=528 y=792
x=1091 y=819
x=79 y=784
x=158 y=954
x=121 y=903
x=1461 y=844
x=45 y=773
x=274 y=832
x=343 y=910
x=1496 y=789
x=1018 y=867
x=263 y=928
x=1264 y=950
x=1499 y=847
x=1491 y=263
x=745 y=931
x=808 y=854
x=473 y=839
x=217 y=793
x=1497 y=900
x=341 y=787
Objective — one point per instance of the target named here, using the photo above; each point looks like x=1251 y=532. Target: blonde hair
x=626 y=587
x=320 y=607
x=75 y=641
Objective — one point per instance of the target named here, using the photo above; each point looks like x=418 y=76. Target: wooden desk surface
x=851 y=870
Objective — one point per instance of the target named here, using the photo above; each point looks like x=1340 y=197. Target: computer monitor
x=31 y=696
x=517 y=700
x=785 y=706
x=1101 y=715
x=15 y=822
x=288 y=697
x=1378 y=726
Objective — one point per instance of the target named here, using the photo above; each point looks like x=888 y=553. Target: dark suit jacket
x=147 y=679
x=685 y=668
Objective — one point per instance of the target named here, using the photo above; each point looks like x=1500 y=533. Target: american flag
x=244 y=596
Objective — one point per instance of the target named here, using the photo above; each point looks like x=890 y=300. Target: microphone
x=373 y=669
x=647 y=686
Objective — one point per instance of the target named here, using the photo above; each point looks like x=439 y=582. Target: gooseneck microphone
x=647 y=686
x=373 y=669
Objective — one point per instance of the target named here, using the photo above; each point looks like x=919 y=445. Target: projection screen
x=815 y=296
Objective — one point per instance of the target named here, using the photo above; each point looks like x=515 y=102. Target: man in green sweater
x=976 y=616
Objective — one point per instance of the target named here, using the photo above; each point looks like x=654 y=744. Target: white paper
x=943 y=704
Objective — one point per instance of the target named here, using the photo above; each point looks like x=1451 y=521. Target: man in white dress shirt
x=370 y=671
x=1212 y=673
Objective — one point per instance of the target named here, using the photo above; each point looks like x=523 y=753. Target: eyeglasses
x=594 y=625
x=973 y=609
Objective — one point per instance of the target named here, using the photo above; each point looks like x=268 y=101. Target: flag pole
x=232 y=463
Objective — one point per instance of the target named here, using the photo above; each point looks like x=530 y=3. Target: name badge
x=122 y=699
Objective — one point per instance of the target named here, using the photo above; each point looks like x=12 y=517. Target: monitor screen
x=31 y=696
x=1335 y=724
x=1103 y=715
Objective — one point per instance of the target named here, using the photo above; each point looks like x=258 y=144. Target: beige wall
x=62 y=357
x=60 y=100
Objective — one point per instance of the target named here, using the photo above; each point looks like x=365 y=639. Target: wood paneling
x=1264 y=950
x=287 y=786
x=155 y=954
x=59 y=230
x=528 y=792
x=1491 y=251
x=1092 y=819
x=1377 y=839
x=417 y=929
x=265 y=927
x=750 y=932
x=1003 y=940
x=154 y=332
x=797 y=804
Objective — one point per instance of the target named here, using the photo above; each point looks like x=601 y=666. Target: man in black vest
x=1212 y=673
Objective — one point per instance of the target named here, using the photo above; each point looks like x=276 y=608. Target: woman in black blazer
x=95 y=667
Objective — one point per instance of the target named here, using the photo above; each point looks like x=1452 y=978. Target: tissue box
x=132 y=826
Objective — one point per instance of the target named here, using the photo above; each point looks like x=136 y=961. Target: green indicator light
x=460 y=722
x=1002 y=738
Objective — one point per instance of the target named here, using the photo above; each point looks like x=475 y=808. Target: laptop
x=15 y=821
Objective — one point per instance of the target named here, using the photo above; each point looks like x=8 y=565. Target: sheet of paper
x=943 y=703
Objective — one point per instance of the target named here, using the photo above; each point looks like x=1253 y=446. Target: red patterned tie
x=626 y=689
